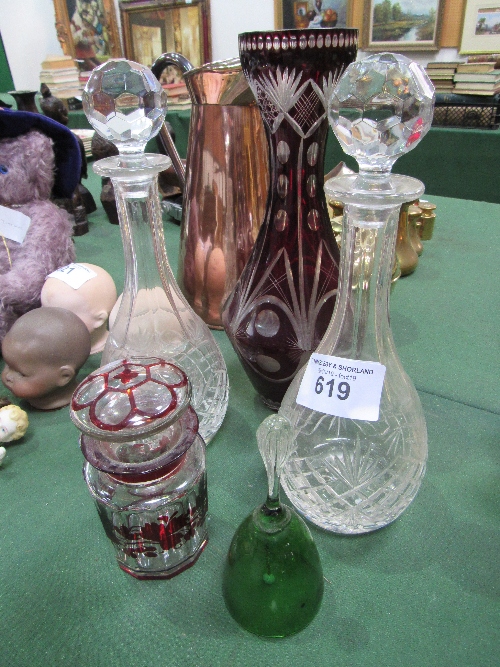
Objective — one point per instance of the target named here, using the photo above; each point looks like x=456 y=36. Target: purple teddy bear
x=34 y=161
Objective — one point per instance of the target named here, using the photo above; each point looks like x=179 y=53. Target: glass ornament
x=280 y=307
x=145 y=464
x=358 y=461
x=125 y=103
x=273 y=580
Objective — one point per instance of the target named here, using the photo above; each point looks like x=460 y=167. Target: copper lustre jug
x=225 y=184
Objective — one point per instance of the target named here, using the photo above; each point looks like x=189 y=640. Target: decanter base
x=351 y=511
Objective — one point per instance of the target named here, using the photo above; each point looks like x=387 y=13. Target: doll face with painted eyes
x=8 y=427
x=28 y=373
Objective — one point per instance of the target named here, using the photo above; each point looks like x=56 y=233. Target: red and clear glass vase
x=282 y=304
x=145 y=464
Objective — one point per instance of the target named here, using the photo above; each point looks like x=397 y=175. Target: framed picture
x=151 y=28
x=402 y=25
x=481 y=27
x=88 y=29
x=310 y=13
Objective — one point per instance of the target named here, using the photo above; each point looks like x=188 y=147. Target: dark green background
x=422 y=592
x=452 y=162
x=6 y=82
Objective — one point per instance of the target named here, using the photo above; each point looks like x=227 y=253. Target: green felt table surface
x=422 y=592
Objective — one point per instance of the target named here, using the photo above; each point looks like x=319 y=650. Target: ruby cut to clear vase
x=282 y=304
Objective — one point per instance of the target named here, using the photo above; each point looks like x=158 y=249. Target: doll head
x=13 y=423
x=92 y=302
x=43 y=352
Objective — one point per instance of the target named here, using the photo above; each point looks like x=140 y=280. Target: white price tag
x=342 y=387
x=13 y=224
x=74 y=275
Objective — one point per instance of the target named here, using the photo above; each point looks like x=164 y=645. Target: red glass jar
x=145 y=464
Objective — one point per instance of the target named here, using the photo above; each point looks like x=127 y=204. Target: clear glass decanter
x=360 y=439
x=125 y=103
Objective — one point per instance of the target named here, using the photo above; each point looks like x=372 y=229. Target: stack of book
x=61 y=76
x=86 y=137
x=84 y=76
x=441 y=74
x=477 y=78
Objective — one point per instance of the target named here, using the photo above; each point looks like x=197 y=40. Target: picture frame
x=301 y=14
x=151 y=28
x=88 y=31
x=481 y=27
x=402 y=25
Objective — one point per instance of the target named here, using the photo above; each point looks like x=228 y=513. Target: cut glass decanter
x=126 y=104
x=359 y=448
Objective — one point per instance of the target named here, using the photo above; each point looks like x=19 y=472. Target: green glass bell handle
x=275 y=441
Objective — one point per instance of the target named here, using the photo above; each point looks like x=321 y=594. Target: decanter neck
x=360 y=325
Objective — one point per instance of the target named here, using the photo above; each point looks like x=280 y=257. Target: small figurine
x=13 y=423
x=92 y=301
x=43 y=352
x=52 y=106
x=32 y=149
x=55 y=108
x=102 y=148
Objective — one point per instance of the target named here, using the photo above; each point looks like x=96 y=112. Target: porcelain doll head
x=92 y=301
x=13 y=423
x=43 y=352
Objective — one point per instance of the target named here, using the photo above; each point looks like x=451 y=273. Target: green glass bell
x=273 y=579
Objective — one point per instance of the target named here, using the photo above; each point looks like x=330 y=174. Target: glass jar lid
x=144 y=458
x=130 y=399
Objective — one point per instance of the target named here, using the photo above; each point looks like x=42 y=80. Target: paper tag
x=342 y=387
x=13 y=224
x=74 y=275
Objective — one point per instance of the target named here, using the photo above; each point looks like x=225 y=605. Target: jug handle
x=157 y=68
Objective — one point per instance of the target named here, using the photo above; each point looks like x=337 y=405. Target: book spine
x=478 y=77
x=455 y=98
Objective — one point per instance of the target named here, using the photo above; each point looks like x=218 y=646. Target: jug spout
x=221 y=82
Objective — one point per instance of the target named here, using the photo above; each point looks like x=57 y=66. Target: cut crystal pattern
x=381 y=109
x=354 y=475
x=126 y=104
x=293 y=269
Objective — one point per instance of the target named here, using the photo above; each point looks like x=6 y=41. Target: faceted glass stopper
x=381 y=107
x=125 y=103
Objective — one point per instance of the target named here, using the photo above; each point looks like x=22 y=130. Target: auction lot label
x=342 y=387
